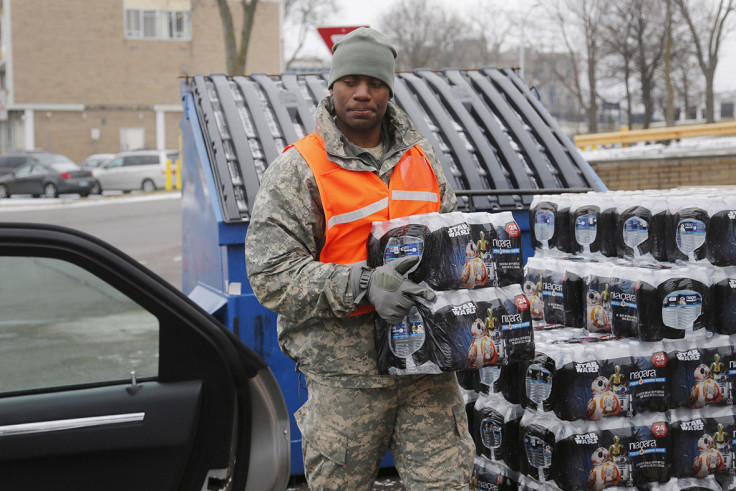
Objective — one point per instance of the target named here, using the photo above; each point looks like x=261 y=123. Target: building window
x=158 y=24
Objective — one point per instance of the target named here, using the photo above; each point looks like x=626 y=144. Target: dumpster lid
x=497 y=144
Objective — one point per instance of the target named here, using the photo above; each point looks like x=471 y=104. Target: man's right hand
x=391 y=293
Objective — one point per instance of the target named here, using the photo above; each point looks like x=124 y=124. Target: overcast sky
x=362 y=12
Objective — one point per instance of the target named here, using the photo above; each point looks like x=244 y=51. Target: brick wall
x=75 y=52
x=69 y=132
x=669 y=173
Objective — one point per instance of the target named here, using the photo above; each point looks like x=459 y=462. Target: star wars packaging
x=496 y=429
x=705 y=442
x=596 y=291
x=723 y=301
x=474 y=329
x=593 y=457
x=554 y=290
x=613 y=378
x=490 y=475
x=459 y=250
x=623 y=300
x=701 y=371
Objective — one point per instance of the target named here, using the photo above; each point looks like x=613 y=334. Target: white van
x=139 y=169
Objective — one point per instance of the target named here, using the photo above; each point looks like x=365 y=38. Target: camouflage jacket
x=313 y=299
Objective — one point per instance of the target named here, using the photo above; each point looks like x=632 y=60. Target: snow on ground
x=688 y=147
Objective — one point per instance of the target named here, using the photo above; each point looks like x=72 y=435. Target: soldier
x=305 y=255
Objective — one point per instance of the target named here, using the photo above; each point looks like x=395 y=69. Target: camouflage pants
x=421 y=419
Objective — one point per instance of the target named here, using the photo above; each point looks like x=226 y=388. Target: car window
x=62 y=326
x=64 y=166
x=132 y=160
x=24 y=171
x=149 y=159
x=47 y=158
x=39 y=169
x=116 y=162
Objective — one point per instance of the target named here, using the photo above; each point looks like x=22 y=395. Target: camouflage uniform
x=422 y=417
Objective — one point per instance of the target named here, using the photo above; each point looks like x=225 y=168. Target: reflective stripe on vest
x=353 y=200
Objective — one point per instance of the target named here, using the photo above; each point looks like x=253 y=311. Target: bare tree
x=707 y=31
x=235 y=55
x=302 y=16
x=579 y=23
x=619 y=47
x=428 y=35
x=649 y=37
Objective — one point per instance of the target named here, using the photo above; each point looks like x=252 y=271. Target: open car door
x=110 y=378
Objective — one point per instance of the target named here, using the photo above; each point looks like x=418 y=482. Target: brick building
x=87 y=76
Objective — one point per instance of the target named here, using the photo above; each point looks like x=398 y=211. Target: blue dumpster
x=498 y=146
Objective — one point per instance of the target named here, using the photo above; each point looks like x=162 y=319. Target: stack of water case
x=633 y=301
x=480 y=318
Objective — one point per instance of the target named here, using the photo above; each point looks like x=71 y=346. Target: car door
x=110 y=378
x=110 y=175
x=23 y=179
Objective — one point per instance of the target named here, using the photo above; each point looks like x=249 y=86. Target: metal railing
x=655 y=134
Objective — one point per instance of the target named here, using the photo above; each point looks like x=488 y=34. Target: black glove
x=388 y=290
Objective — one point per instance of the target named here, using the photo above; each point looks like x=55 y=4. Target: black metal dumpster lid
x=498 y=145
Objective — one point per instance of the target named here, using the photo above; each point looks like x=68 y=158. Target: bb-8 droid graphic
x=597 y=315
x=604 y=472
x=481 y=352
x=709 y=460
x=603 y=402
x=474 y=271
x=706 y=390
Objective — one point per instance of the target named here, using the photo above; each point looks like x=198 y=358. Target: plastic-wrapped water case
x=593 y=457
x=496 y=429
x=673 y=302
x=686 y=225
x=459 y=250
x=402 y=349
x=490 y=475
x=549 y=219
x=537 y=439
x=688 y=484
x=554 y=290
x=593 y=224
x=633 y=230
x=475 y=329
x=720 y=237
x=536 y=376
x=723 y=301
x=702 y=371
x=705 y=442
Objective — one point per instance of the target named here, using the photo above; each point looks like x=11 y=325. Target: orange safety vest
x=353 y=200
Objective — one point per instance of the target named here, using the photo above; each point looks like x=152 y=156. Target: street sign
x=332 y=35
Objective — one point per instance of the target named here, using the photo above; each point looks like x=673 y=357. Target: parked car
x=95 y=160
x=113 y=379
x=12 y=160
x=49 y=179
x=140 y=169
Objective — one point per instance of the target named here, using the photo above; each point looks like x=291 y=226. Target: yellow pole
x=168 y=175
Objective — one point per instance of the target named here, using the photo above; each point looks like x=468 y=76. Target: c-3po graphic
x=620 y=388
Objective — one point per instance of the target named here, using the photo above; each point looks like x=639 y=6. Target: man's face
x=360 y=103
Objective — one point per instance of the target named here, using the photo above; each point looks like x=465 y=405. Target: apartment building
x=101 y=76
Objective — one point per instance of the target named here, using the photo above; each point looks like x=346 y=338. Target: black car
x=49 y=179
x=111 y=378
x=12 y=160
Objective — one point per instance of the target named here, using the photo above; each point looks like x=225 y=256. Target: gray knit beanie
x=363 y=51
